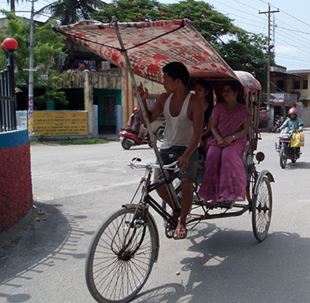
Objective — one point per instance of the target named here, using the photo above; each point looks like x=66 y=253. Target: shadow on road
x=298 y=165
x=52 y=237
x=232 y=267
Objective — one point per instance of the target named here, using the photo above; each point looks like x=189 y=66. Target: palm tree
x=12 y=5
x=71 y=11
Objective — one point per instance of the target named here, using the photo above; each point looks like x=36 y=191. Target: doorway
x=108 y=100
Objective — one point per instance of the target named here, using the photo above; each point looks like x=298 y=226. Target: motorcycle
x=285 y=150
x=130 y=138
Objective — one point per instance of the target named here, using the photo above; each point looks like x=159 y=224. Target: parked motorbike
x=130 y=138
x=285 y=150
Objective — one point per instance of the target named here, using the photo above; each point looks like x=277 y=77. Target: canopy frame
x=169 y=187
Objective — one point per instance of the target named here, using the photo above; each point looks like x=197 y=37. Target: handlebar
x=137 y=163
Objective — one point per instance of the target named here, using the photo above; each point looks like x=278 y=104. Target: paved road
x=77 y=187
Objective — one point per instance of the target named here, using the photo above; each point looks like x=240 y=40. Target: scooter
x=130 y=138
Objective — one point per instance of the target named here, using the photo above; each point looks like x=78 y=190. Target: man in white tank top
x=184 y=122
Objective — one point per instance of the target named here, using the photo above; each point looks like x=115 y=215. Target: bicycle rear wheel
x=121 y=257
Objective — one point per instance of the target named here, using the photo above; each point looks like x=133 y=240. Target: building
x=289 y=88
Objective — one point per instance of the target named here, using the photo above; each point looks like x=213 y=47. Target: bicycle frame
x=147 y=200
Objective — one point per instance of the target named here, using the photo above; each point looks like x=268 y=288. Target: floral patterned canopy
x=150 y=46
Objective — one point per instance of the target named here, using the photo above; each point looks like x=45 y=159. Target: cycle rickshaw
x=124 y=249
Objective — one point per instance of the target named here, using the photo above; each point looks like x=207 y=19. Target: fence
x=7 y=99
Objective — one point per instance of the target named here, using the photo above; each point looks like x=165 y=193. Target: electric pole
x=269 y=109
x=30 y=81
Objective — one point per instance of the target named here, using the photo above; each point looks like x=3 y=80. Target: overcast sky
x=292 y=31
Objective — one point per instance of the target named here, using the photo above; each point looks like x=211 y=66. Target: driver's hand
x=143 y=92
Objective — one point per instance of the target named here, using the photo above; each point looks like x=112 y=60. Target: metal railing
x=7 y=100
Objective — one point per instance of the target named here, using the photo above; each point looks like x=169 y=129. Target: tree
x=208 y=21
x=12 y=4
x=129 y=10
x=247 y=52
x=71 y=11
x=48 y=55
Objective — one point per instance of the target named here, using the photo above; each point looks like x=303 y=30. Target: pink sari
x=224 y=178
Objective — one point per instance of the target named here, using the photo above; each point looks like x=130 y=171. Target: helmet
x=292 y=110
x=136 y=109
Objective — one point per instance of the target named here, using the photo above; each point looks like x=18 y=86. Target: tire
x=283 y=157
x=126 y=144
x=160 y=134
x=121 y=257
x=261 y=208
x=294 y=156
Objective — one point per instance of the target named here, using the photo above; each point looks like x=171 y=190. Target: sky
x=291 y=31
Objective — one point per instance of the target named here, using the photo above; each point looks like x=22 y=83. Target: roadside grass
x=69 y=141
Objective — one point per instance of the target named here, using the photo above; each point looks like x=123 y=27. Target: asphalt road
x=77 y=187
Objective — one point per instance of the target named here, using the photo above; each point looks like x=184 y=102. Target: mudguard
x=262 y=174
x=151 y=220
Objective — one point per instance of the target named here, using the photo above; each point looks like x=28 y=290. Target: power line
x=293 y=30
x=303 y=22
x=239 y=10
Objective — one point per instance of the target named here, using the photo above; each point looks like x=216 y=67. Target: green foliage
x=71 y=11
x=48 y=56
x=209 y=22
x=246 y=52
x=129 y=10
x=205 y=19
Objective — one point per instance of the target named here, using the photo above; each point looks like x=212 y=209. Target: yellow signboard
x=59 y=123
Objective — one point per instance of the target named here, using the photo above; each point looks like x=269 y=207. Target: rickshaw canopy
x=151 y=45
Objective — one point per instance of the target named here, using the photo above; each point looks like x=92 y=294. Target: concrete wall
x=15 y=177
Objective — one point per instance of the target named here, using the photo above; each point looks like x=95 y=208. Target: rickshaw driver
x=183 y=112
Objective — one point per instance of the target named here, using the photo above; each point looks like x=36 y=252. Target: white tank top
x=178 y=130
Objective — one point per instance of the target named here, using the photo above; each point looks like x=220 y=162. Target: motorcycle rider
x=135 y=124
x=292 y=123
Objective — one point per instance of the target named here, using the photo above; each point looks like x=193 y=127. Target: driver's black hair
x=177 y=70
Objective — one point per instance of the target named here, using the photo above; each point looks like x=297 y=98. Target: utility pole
x=269 y=109
x=30 y=81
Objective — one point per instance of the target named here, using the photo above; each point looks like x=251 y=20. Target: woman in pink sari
x=224 y=178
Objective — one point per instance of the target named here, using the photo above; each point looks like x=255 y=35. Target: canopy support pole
x=169 y=186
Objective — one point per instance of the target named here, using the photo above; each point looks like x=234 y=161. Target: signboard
x=59 y=123
x=277 y=98
x=21 y=119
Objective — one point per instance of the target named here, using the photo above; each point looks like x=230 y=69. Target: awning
x=150 y=46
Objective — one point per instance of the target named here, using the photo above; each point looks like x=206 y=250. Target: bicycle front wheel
x=121 y=257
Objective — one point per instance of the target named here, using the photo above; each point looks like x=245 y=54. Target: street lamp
x=9 y=44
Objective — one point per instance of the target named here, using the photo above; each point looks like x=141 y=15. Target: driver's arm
x=301 y=124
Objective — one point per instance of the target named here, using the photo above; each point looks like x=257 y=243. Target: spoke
x=99 y=271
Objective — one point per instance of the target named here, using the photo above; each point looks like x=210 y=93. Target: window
x=280 y=85
x=296 y=84
x=305 y=84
